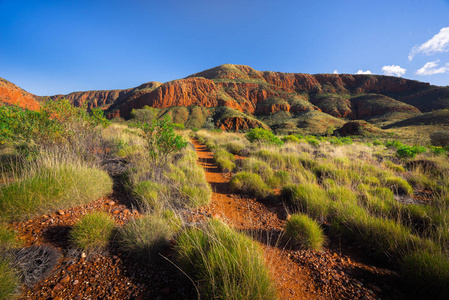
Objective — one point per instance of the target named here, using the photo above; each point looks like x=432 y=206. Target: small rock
x=61 y=212
x=58 y=287
x=83 y=255
x=75 y=282
x=65 y=279
x=111 y=203
x=126 y=211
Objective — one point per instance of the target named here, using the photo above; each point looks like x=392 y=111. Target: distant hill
x=11 y=94
x=280 y=100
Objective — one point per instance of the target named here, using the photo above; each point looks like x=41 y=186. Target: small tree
x=161 y=140
x=440 y=138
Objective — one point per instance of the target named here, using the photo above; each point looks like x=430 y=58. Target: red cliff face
x=13 y=95
x=236 y=124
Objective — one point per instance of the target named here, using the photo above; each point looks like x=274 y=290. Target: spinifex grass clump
x=93 y=232
x=427 y=273
x=9 y=280
x=305 y=232
x=249 y=183
x=52 y=185
x=144 y=237
x=225 y=263
x=8 y=238
x=308 y=198
x=224 y=160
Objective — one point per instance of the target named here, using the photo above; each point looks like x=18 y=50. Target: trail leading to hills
x=337 y=272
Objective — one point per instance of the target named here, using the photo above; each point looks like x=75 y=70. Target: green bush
x=144 y=237
x=263 y=136
x=93 y=231
x=249 y=183
x=9 y=280
x=307 y=198
x=226 y=264
x=440 y=138
x=305 y=232
x=409 y=151
x=278 y=179
x=53 y=187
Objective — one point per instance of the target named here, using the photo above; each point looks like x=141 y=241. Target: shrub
x=224 y=160
x=249 y=183
x=263 y=136
x=377 y=143
x=225 y=263
x=144 y=237
x=9 y=280
x=409 y=151
x=51 y=187
x=305 y=232
x=161 y=140
x=437 y=150
x=308 y=198
x=93 y=231
x=440 y=138
x=398 y=185
x=427 y=273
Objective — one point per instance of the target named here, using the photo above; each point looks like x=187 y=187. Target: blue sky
x=51 y=47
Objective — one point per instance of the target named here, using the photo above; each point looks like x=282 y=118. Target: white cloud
x=393 y=70
x=430 y=68
x=336 y=72
x=438 y=43
x=363 y=72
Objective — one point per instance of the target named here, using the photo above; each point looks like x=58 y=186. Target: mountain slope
x=11 y=94
x=273 y=97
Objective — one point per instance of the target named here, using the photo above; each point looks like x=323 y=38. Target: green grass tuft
x=9 y=280
x=249 y=183
x=305 y=232
x=308 y=198
x=225 y=263
x=50 y=188
x=93 y=231
x=144 y=237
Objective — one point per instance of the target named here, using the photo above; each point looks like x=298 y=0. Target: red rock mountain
x=11 y=94
x=272 y=97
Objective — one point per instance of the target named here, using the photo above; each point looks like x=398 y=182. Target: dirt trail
x=261 y=221
x=337 y=272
